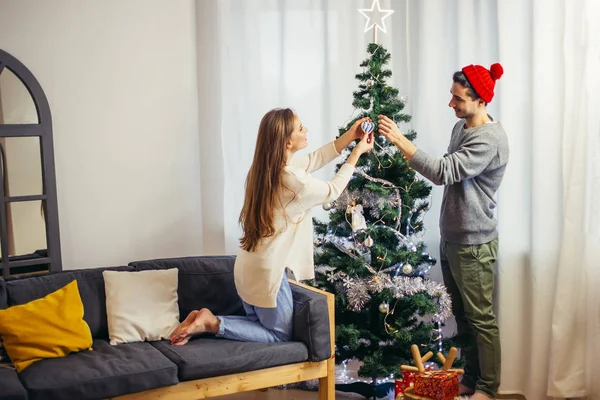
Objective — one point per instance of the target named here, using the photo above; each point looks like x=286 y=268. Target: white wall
x=120 y=80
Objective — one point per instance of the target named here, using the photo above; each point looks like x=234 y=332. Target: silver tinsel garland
x=359 y=290
x=389 y=184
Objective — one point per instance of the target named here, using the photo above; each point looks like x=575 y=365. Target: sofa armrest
x=314 y=323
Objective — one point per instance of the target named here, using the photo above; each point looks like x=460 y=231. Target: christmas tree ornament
x=369 y=242
x=358 y=220
x=407 y=269
x=327 y=206
x=367 y=127
x=384 y=308
x=318 y=242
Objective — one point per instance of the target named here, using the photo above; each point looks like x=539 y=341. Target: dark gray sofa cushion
x=91 y=288
x=3 y=296
x=311 y=322
x=208 y=282
x=207 y=357
x=106 y=371
x=204 y=282
x=11 y=387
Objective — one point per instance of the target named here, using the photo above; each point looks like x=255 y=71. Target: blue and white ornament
x=367 y=127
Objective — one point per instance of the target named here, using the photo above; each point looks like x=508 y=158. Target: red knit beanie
x=483 y=80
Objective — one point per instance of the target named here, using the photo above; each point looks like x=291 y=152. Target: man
x=471 y=173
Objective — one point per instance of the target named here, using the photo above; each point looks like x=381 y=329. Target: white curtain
x=574 y=363
x=254 y=55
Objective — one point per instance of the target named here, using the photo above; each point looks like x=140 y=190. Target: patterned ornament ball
x=407 y=269
x=369 y=242
x=327 y=206
x=384 y=308
x=367 y=126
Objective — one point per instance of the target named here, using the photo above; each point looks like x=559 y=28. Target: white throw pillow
x=141 y=305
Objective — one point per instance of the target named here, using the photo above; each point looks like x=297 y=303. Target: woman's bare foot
x=186 y=322
x=197 y=322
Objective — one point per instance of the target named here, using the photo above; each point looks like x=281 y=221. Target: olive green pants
x=468 y=272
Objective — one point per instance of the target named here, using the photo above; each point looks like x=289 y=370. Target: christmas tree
x=370 y=254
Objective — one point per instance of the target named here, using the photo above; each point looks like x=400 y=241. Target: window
x=29 y=234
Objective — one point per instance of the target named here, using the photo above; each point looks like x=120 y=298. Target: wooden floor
x=293 y=394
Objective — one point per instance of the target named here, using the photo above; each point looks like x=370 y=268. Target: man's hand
x=391 y=132
x=389 y=129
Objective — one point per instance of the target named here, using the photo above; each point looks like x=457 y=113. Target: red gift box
x=408 y=380
x=439 y=385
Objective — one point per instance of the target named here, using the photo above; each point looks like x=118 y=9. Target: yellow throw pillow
x=49 y=327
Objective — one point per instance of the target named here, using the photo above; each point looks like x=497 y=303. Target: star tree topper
x=375 y=18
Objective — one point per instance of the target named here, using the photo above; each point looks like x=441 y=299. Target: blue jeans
x=262 y=324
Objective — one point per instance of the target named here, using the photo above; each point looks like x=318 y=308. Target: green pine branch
x=381 y=331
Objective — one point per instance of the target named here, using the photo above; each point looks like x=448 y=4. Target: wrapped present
x=438 y=385
x=408 y=380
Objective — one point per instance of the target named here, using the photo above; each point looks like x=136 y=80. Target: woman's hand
x=362 y=147
x=355 y=131
x=365 y=145
x=350 y=135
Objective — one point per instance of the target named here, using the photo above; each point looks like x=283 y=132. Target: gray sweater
x=471 y=172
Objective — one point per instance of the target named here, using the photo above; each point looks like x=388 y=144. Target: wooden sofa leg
x=327 y=384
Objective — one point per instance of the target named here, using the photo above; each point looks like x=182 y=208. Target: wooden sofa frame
x=258 y=379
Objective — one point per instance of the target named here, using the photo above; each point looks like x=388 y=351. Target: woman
x=277 y=228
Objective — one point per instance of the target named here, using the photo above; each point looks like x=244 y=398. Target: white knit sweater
x=258 y=273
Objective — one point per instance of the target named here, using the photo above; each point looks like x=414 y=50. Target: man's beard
x=463 y=114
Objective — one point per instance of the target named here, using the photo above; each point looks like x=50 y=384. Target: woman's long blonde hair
x=263 y=183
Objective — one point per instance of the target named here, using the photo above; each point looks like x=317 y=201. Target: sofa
x=205 y=367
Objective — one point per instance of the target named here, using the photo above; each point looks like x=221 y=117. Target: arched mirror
x=29 y=234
